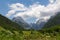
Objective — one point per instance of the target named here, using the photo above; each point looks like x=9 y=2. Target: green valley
x=10 y=30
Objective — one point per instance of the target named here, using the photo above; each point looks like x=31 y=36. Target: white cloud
x=46 y=18
x=51 y=1
x=35 y=11
x=18 y=7
x=11 y=12
x=14 y=8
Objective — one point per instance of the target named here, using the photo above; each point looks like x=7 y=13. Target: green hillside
x=8 y=24
x=53 y=21
x=53 y=24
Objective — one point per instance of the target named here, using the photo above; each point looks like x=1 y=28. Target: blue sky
x=4 y=8
x=35 y=9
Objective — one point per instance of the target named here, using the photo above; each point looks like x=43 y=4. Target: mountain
x=53 y=23
x=34 y=26
x=40 y=23
x=20 y=21
x=8 y=24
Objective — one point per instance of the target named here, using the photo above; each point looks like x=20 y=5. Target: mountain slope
x=8 y=24
x=40 y=23
x=53 y=21
x=53 y=24
x=20 y=21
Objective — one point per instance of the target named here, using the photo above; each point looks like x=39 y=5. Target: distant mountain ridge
x=55 y=20
x=36 y=26
x=20 y=21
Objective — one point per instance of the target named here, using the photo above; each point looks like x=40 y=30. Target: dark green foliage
x=8 y=24
x=53 y=25
x=53 y=21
